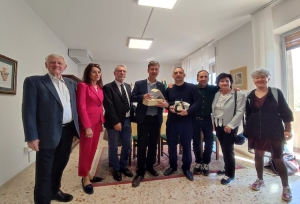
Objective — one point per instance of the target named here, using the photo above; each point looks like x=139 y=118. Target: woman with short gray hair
x=265 y=115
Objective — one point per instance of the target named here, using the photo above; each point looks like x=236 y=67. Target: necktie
x=125 y=98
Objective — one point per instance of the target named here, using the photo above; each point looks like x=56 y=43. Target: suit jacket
x=228 y=118
x=114 y=104
x=42 y=110
x=141 y=88
x=89 y=105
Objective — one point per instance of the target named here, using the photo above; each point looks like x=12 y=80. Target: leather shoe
x=88 y=189
x=117 y=175
x=169 y=171
x=137 y=180
x=152 y=171
x=96 y=179
x=62 y=197
x=127 y=172
x=188 y=174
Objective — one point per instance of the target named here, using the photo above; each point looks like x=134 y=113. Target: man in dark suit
x=117 y=106
x=50 y=122
x=149 y=120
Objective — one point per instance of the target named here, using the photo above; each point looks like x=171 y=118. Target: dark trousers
x=227 y=142
x=204 y=125
x=184 y=132
x=148 y=134
x=50 y=164
x=113 y=138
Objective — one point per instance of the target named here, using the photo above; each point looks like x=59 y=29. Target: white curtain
x=197 y=61
x=263 y=41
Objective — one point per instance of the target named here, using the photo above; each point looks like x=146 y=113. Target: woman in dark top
x=268 y=125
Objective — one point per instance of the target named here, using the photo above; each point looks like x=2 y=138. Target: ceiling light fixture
x=168 y=4
x=140 y=43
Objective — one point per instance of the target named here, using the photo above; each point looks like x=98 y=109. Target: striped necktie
x=124 y=96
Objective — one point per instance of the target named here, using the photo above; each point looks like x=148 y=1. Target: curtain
x=263 y=41
x=197 y=61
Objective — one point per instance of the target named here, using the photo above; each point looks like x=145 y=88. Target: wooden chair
x=216 y=141
x=163 y=141
x=134 y=147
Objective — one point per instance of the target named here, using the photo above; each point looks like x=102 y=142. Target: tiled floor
x=179 y=190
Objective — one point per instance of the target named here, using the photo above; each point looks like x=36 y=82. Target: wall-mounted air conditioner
x=80 y=56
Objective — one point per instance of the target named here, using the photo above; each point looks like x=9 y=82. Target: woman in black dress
x=268 y=126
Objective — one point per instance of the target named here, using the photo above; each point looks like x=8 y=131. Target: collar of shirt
x=201 y=87
x=151 y=83
x=55 y=78
x=119 y=84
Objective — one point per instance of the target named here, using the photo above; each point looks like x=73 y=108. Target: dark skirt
x=260 y=146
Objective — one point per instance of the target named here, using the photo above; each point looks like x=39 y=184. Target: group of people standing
x=51 y=104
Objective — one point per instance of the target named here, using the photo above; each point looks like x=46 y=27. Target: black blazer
x=114 y=104
x=141 y=88
x=42 y=110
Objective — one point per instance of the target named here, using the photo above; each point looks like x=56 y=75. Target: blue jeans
x=206 y=127
x=183 y=130
x=113 y=137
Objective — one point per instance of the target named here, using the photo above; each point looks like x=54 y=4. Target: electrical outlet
x=27 y=150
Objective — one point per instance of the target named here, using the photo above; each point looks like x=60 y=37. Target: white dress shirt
x=64 y=96
x=219 y=108
x=119 y=87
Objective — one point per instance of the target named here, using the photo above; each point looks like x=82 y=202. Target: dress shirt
x=119 y=87
x=64 y=96
x=219 y=109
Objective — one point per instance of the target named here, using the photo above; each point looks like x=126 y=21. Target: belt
x=67 y=124
x=203 y=118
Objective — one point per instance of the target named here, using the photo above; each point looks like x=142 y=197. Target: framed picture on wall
x=239 y=76
x=8 y=78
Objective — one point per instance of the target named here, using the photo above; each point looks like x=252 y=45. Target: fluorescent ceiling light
x=168 y=4
x=140 y=43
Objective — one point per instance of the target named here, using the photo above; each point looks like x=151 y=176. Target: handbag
x=239 y=139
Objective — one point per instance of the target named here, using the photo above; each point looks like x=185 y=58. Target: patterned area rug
x=105 y=172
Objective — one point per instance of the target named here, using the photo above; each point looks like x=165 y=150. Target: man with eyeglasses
x=180 y=121
x=149 y=120
x=117 y=105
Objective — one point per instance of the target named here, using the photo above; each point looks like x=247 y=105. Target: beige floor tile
x=178 y=190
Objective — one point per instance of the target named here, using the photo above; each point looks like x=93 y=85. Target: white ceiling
x=103 y=26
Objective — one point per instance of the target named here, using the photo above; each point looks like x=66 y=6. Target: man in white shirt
x=50 y=122
x=117 y=105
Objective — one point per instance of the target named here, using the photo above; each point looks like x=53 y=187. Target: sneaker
x=221 y=172
x=286 y=193
x=198 y=168
x=257 y=184
x=205 y=169
x=226 y=180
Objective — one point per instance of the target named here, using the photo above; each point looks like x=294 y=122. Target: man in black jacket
x=117 y=105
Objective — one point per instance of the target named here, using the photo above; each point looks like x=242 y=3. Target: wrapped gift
x=152 y=102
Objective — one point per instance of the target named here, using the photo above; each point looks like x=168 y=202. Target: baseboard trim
x=4 y=185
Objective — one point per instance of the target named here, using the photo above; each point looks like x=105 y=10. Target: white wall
x=25 y=38
x=236 y=50
x=285 y=12
x=135 y=71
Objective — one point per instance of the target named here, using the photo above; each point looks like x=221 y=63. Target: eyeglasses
x=153 y=62
x=94 y=65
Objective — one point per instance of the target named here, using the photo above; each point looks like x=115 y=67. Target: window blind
x=292 y=41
